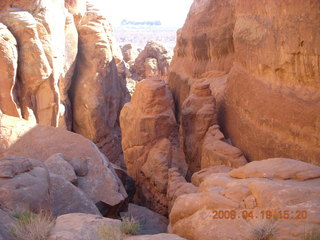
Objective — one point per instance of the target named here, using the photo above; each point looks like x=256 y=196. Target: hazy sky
x=169 y=12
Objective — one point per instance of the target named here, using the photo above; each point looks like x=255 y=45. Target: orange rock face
x=150 y=142
x=42 y=43
x=273 y=92
x=281 y=188
x=261 y=64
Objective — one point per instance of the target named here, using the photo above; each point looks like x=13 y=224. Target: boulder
x=50 y=141
x=57 y=165
x=198 y=177
x=151 y=222
x=177 y=185
x=150 y=142
x=82 y=227
x=69 y=199
x=24 y=184
x=216 y=151
x=234 y=205
x=12 y=129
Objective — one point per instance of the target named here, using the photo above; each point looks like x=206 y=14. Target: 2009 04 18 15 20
x=262 y=214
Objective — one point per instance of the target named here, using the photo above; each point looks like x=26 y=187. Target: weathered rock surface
x=39 y=84
x=81 y=226
x=57 y=165
x=11 y=129
x=198 y=114
x=216 y=151
x=24 y=184
x=267 y=61
x=8 y=71
x=5 y=221
x=279 y=87
x=69 y=199
x=152 y=61
x=50 y=141
x=260 y=191
x=99 y=91
x=177 y=185
x=86 y=226
x=151 y=222
x=150 y=142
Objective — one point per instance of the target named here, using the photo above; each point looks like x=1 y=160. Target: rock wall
x=261 y=60
x=51 y=50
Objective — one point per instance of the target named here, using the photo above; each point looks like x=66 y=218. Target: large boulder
x=24 y=184
x=151 y=222
x=150 y=142
x=75 y=149
x=281 y=195
x=82 y=227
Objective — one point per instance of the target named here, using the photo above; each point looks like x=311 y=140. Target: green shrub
x=31 y=226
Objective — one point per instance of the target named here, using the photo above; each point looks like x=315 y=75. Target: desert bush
x=31 y=226
x=262 y=229
x=130 y=226
x=110 y=232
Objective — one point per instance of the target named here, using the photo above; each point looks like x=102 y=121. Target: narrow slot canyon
x=212 y=134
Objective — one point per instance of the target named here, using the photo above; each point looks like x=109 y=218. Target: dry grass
x=31 y=226
x=262 y=229
x=110 y=232
x=130 y=226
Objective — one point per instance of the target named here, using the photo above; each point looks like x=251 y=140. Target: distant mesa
x=148 y=23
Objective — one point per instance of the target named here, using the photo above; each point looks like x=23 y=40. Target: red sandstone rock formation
x=270 y=185
x=41 y=40
x=150 y=142
x=265 y=54
x=152 y=61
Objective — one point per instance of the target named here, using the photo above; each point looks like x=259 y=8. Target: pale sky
x=170 y=12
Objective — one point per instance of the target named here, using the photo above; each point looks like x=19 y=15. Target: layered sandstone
x=150 y=142
x=281 y=188
x=261 y=65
